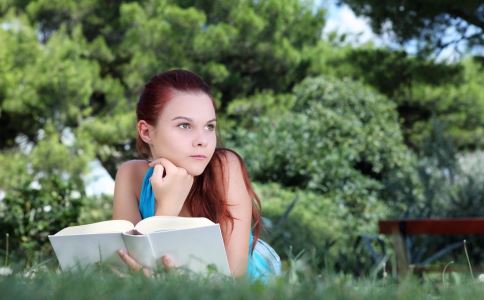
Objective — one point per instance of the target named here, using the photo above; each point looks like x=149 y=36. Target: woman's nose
x=200 y=140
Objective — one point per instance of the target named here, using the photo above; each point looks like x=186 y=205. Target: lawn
x=45 y=283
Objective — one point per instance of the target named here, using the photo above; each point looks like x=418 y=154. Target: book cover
x=195 y=244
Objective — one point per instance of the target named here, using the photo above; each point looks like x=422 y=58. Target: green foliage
x=234 y=47
x=243 y=111
x=394 y=72
x=460 y=106
x=324 y=225
x=34 y=210
x=60 y=96
x=338 y=143
x=71 y=72
x=88 y=60
x=425 y=21
x=295 y=284
x=96 y=209
x=447 y=190
x=446 y=187
x=53 y=155
x=337 y=135
x=421 y=89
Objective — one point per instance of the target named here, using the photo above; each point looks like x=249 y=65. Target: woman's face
x=186 y=129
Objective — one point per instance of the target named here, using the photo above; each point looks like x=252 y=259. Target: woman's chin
x=195 y=172
x=195 y=167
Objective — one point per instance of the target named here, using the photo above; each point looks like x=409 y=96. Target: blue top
x=263 y=262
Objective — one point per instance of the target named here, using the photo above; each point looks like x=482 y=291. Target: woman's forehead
x=198 y=107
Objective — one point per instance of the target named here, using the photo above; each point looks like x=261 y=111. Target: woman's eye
x=184 y=126
x=211 y=127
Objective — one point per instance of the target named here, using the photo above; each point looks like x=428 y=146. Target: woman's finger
x=148 y=272
x=157 y=172
x=160 y=160
x=169 y=166
x=154 y=162
x=131 y=262
x=168 y=262
x=117 y=271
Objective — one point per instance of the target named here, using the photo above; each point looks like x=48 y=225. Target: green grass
x=44 y=283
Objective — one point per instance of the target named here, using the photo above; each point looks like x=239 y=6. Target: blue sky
x=341 y=19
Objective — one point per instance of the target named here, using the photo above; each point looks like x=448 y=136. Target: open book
x=193 y=243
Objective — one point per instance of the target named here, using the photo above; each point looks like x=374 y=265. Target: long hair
x=207 y=197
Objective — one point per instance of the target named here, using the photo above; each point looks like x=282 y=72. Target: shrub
x=32 y=211
x=449 y=185
x=337 y=144
x=96 y=209
x=322 y=227
x=336 y=135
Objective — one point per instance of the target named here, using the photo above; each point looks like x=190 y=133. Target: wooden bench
x=400 y=229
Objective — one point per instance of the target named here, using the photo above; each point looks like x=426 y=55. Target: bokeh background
x=338 y=129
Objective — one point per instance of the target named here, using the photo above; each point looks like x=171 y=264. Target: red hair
x=207 y=197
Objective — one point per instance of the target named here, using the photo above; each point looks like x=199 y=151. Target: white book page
x=84 y=250
x=112 y=226
x=193 y=248
x=165 y=223
x=139 y=247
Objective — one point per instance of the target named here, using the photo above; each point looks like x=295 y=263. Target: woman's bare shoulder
x=131 y=173
x=127 y=187
x=231 y=159
x=233 y=167
x=134 y=166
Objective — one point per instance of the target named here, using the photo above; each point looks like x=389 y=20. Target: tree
x=428 y=22
x=116 y=46
x=423 y=89
x=327 y=150
x=44 y=96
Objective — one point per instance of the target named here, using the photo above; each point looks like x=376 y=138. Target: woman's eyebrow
x=190 y=120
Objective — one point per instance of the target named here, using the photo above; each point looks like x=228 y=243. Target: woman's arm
x=240 y=206
x=125 y=207
x=125 y=203
x=236 y=239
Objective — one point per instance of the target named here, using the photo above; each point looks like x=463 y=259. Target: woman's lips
x=199 y=157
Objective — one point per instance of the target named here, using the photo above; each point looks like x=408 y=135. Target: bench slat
x=444 y=226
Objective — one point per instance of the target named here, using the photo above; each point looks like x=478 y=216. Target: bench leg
x=401 y=254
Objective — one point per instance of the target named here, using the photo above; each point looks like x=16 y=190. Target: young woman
x=186 y=174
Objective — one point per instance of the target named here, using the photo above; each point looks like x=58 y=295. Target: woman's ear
x=144 y=131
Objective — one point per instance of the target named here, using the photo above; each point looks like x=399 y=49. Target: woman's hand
x=135 y=266
x=172 y=190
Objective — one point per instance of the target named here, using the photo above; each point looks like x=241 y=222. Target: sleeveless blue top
x=263 y=262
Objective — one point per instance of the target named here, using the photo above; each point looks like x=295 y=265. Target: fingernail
x=121 y=252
